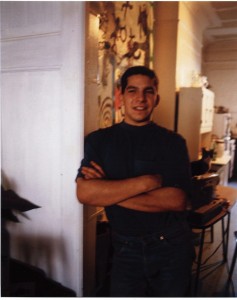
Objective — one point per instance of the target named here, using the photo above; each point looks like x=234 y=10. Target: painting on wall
x=125 y=39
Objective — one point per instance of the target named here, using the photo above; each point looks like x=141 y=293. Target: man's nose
x=141 y=96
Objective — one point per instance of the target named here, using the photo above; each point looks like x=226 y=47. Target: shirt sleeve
x=89 y=154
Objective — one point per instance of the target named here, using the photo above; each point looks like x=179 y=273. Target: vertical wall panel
x=42 y=131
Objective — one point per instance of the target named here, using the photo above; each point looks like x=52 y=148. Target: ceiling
x=221 y=16
x=223 y=25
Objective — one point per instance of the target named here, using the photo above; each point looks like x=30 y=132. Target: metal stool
x=233 y=261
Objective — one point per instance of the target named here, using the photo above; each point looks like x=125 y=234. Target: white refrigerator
x=221 y=125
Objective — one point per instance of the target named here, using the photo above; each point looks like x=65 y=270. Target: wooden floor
x=214 y=273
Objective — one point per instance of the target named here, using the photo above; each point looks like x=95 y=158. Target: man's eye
x=131 y=90
x=150 y=91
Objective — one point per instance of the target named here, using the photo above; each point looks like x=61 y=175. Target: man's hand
x=93 y=172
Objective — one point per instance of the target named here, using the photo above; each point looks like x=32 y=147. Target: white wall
x=165 y=54
x=189 y=49
x=42 y=131
x=220 y=66
x=177 y=51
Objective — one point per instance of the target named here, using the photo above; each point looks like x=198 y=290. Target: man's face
x=139 y=99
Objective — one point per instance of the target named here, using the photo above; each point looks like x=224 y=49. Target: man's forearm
x=159 y=200
x=103 y=192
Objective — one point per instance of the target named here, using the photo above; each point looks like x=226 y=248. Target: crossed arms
x=142 y=193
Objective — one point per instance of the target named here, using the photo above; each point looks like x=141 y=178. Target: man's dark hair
x=137 y=70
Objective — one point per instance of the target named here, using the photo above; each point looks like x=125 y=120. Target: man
x=140 y=173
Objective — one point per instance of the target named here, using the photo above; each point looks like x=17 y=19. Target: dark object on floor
x=29 y=281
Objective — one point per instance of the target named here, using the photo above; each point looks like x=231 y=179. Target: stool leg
x=232 y=263
x=225 y=237
x=233 y=260
x=227 y=234
x=212 y=234
x=199 y=262
x=224 y=247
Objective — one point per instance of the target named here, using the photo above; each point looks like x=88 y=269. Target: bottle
x=213 y=147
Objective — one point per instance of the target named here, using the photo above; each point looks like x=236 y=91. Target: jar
x=220 y=148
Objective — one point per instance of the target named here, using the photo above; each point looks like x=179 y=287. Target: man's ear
x=157 y=100
x=121 y=97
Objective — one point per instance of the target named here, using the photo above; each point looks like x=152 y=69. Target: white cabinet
x=207 y=110
x=194 y=117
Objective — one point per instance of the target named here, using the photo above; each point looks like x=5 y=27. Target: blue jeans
x=156 y=265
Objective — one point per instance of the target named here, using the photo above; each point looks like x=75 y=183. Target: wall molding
x=215 y=65
x=30 y=36
x=31 y=69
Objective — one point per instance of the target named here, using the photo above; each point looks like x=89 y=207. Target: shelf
x=223 y=160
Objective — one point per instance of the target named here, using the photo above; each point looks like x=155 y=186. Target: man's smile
x=140 y=108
